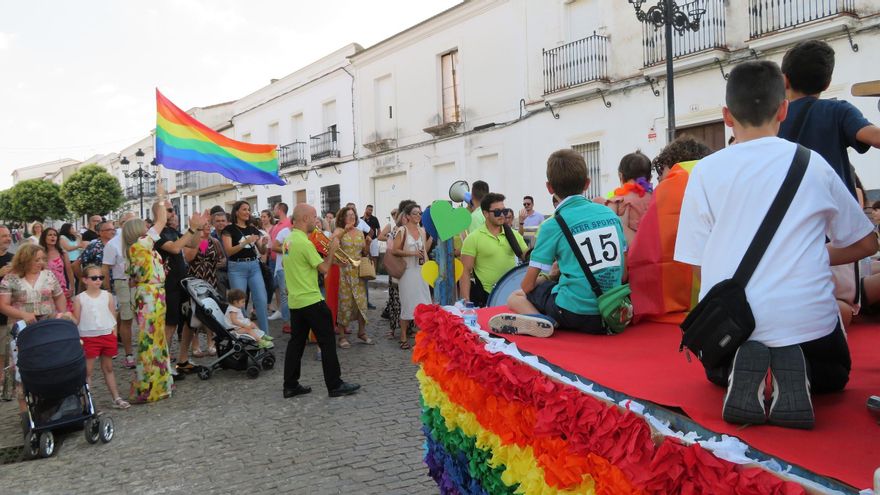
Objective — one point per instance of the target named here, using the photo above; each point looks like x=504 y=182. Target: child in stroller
x=241 y=325
x=51 y=367
x=237 y=352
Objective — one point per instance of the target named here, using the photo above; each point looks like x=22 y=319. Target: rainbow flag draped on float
x=184 y=143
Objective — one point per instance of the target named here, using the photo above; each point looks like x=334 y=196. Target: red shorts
x=105 y=345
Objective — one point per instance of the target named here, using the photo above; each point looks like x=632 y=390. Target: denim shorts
x=544 y=300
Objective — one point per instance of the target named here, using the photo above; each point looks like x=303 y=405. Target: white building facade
x=309 y=116
x=489 y=88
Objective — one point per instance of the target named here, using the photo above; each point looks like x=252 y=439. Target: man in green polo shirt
x=308 y=310
x=488 y=251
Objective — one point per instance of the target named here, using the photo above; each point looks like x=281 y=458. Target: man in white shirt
x=276 y=245
x=797 y=333
x=114 y=264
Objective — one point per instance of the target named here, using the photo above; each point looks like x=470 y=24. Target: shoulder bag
x=615 y=306
x=394 y=265
x=723 y=319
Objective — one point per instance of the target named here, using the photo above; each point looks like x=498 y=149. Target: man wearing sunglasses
x=93 y=254
x=488 y=252
x=528 y=217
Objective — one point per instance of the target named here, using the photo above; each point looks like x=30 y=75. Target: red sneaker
x=285 y=329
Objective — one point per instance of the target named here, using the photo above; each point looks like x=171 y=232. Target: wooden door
x=711 y=134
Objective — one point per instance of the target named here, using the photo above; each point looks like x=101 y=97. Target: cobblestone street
x=231 y=434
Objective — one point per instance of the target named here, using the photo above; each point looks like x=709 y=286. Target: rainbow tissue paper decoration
x=495 y=425
x=184 y=143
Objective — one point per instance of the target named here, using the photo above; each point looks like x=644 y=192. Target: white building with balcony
x=309 y=115
x=489 y=88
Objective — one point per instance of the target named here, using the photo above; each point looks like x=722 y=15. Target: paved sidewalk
x=231 y=434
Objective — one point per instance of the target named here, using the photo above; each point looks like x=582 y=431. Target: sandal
x=344 y=344
x=120 y=403
x=390 y=335
x=365 y=339
x=212 y=351
x=405 y=345
x=198 y=353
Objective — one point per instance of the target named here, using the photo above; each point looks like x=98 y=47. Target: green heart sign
x=449 y=221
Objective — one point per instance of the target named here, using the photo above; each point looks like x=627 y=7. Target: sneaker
x=370 y=306
x=790 y=405
x=185 y=368
x=537 y=325
x=744 y=400
x=275 y=316
x=344 y=389
x=268 y=337
x=285 y=328
x=128 y=362
x=265 y=344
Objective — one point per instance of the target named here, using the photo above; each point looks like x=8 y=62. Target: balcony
x=132 y=192
x=292 y=155
x=324 y=145
x=576 y=63
x=770 y=16
x=709 y=36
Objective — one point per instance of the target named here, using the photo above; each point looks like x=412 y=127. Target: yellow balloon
x=430 y=272
x=459 y=269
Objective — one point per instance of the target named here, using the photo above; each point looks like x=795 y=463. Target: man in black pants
x=307 y=307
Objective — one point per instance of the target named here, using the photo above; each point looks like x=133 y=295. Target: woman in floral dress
x=352 y=294
x=58 y=263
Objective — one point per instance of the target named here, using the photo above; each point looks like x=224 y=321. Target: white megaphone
x=460 y=192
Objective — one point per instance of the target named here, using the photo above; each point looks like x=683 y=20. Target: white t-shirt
x=95 y=318
x=113 y=256
x=727 y=196
x=230 y=310
x=279 y=238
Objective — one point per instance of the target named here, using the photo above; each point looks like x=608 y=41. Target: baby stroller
x=52 y=368
x=235 y=352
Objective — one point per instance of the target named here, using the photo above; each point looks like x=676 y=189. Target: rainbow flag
x=184 y=143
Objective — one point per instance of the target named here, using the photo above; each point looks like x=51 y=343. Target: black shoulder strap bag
x=723 y=319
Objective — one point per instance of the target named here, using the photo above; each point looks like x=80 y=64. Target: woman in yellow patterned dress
x=153 y=378
x=352 y=293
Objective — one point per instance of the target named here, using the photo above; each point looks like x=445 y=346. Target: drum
x=505 y=286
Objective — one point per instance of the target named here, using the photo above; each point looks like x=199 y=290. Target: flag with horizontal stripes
x=184 y=143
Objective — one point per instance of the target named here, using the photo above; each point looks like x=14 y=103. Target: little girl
x=240 y=324
x=94 y=311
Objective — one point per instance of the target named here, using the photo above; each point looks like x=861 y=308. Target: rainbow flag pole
x=184 y=143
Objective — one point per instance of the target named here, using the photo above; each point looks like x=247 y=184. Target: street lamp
x=669 y=15
x=140 y=173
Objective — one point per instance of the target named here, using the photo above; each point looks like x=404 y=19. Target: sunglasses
x=416 y=213
x=500 y=212
x=170 y=210
x=95 y=278
x=527 y=205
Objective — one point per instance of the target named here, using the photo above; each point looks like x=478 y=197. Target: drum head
x=505 y=286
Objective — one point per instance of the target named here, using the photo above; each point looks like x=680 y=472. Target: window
x=384 y=111
x=297 y=131
x=328 y=113
x=450 y=86
x=330 y=199
x=590 y=152
x=274 y=200
x=273 y=133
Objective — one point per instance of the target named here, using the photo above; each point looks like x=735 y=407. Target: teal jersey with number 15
x=598 y=233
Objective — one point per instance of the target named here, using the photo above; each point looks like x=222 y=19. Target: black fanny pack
x=723 y=319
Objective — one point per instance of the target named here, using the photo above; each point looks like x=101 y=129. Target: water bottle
x=470 y=315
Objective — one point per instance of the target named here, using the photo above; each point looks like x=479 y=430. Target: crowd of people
x=670 y=241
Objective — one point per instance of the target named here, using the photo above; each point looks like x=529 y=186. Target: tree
x=92 y=191
x=6 y=205
x=35 y=199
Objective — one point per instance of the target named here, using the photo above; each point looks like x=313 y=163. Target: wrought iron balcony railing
x=292 y=155
x=768 y=16
x=133 y=191
x=576 y=63
x=324 y=145
x=710 y=35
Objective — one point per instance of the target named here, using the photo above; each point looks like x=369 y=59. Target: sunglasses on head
x=95 y=278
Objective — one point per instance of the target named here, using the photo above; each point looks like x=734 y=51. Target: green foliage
x=92 y=191
x=35 y=199
x=6 y=206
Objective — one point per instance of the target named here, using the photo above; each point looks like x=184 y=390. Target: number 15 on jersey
x=600 y=247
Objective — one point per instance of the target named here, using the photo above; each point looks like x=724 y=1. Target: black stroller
x=236 y=352
x=52 y=368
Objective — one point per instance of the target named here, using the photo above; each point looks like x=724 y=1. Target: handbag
x=615 y=305
x=366 y=270
x=723 y=319
x=394 y=265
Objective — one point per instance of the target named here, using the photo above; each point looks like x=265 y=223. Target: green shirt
x=300 y=260
x=477 y=220
x=492 y=254
x=597 y=231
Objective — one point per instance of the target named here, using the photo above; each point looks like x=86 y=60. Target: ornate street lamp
x=668 y=14
x=140 y=173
